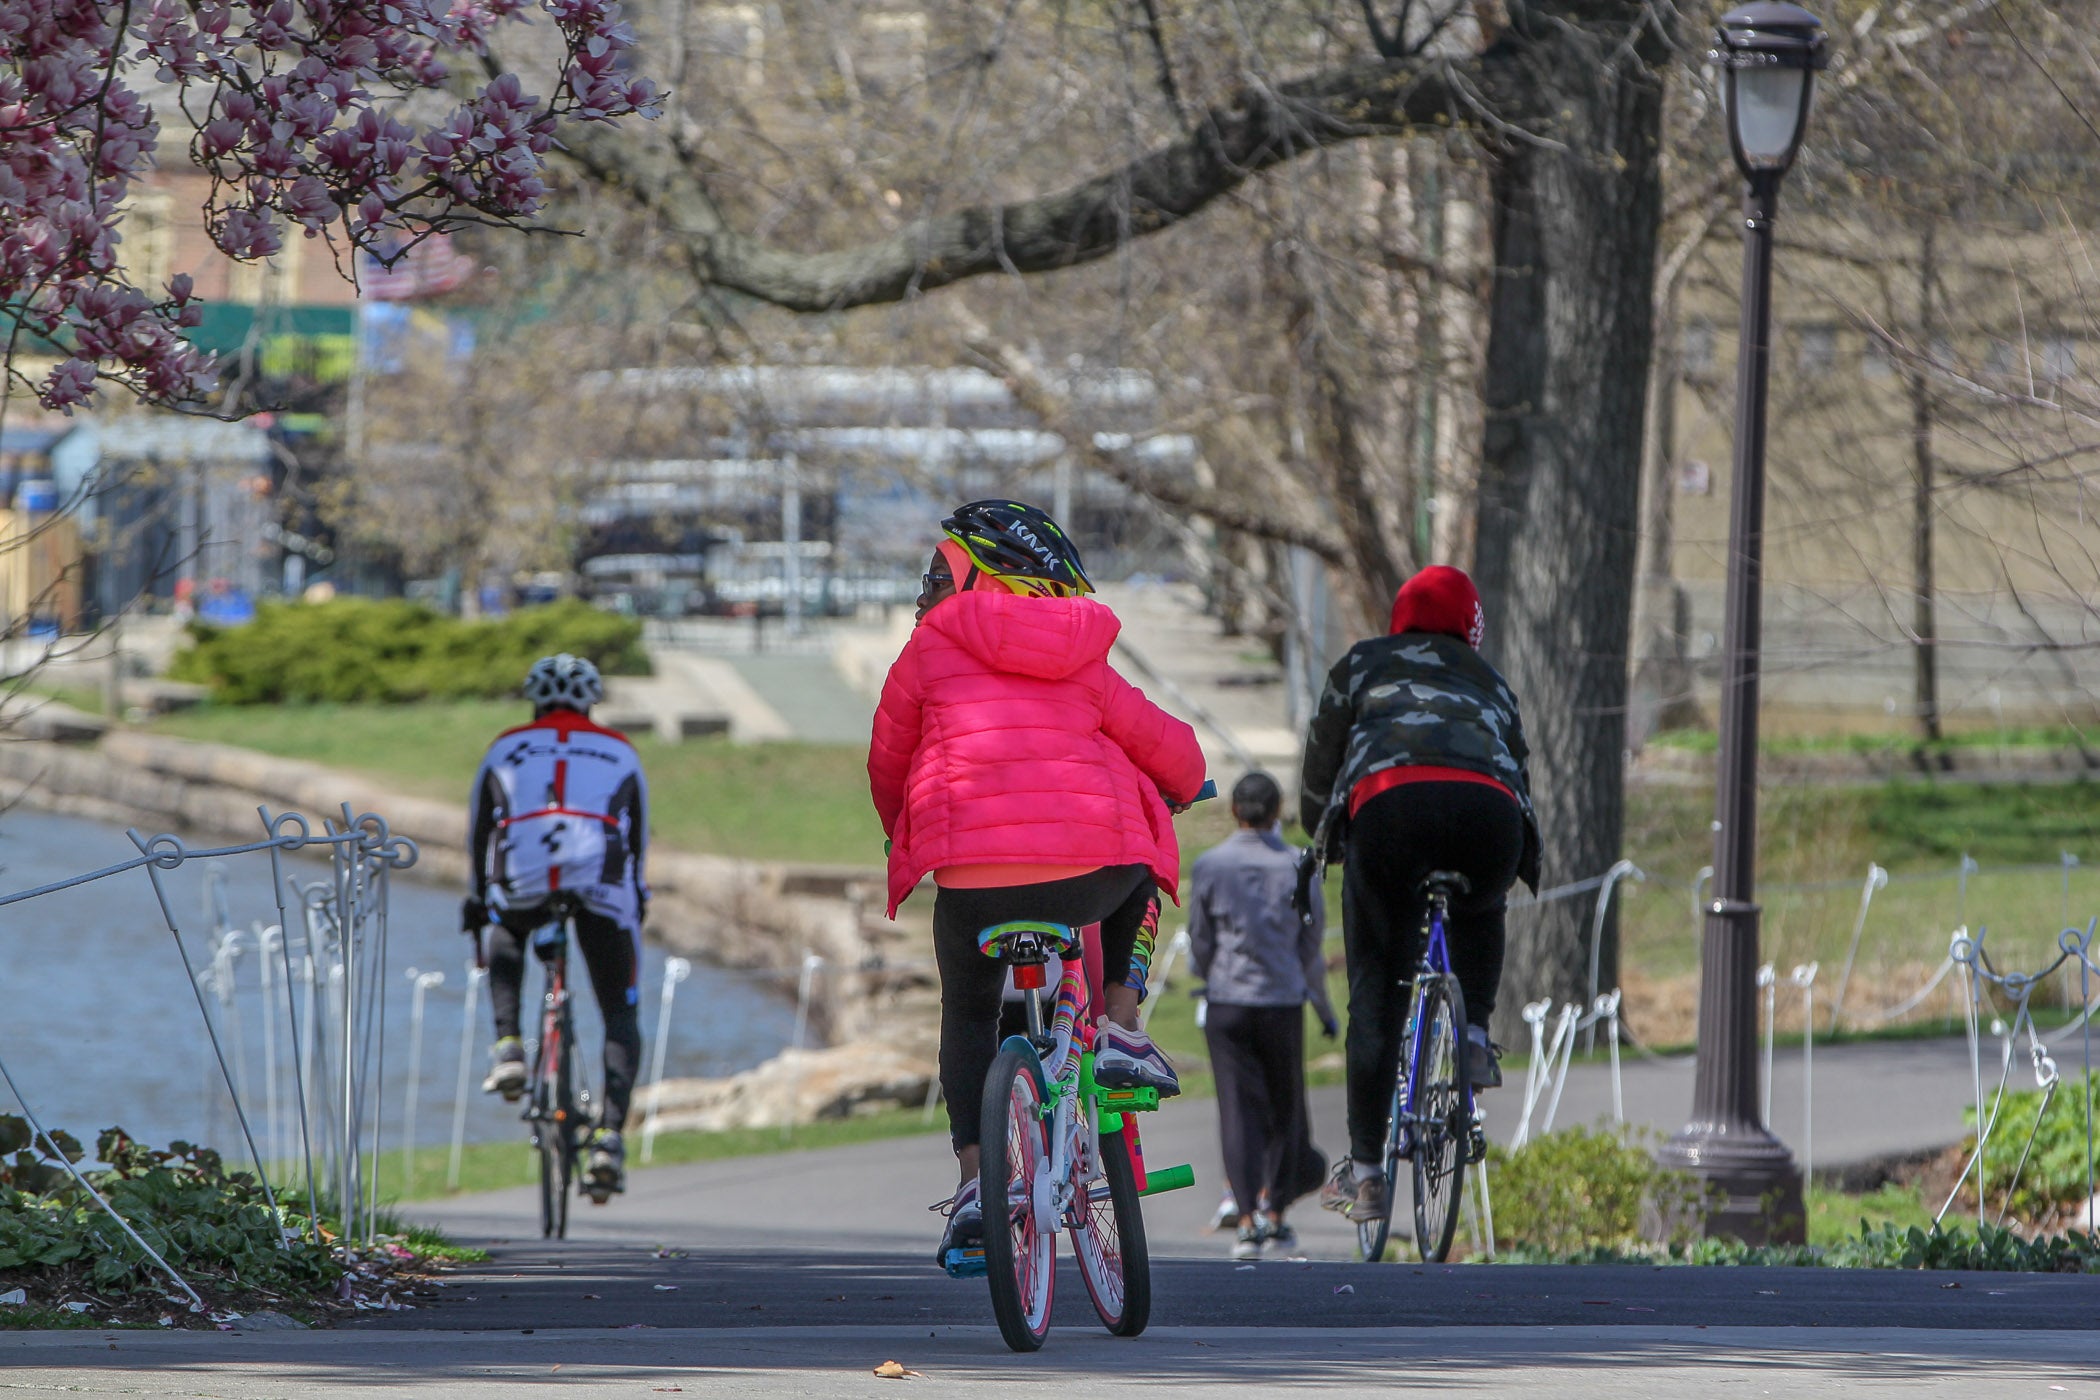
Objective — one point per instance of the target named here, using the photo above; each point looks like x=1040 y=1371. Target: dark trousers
x=610 y=955
x=1116 y=897
x=1258 y=1055
x=1396 y=839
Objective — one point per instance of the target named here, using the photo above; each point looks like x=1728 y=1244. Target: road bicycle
x=558 y=1105
x=1434 y=1124
x=1061 y=1152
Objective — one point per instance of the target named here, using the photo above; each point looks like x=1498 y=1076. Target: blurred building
x=825 y=484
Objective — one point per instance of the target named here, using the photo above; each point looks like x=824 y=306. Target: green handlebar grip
x=1169 y=1179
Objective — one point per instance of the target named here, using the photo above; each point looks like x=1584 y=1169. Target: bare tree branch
x=1262 y=127
x=1035 y=391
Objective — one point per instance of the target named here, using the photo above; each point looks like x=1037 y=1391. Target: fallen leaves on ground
x=895 y=1371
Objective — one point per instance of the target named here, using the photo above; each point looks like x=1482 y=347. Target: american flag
x=431 y=268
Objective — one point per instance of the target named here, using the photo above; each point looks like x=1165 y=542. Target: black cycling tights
x=1395 y=839
x=1118 y=897
x=610 y=954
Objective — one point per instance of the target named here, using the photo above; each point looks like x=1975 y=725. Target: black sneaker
x=1247 y=1247
x=1483 y=1060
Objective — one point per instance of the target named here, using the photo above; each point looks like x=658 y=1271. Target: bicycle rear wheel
x=1020 y=1259
x=554 y=1115
x=1110 y=1242
x=1439 y=1127
x=1371 y=1235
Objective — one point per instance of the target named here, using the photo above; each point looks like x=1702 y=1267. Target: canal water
x=99 y=1025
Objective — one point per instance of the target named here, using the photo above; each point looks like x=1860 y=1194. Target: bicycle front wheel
x=1110 y=1242
x=1371 y=1235
x=1439 y=1127
x=1020 y=1258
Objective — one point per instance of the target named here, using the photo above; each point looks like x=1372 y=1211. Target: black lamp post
x=1769 y=54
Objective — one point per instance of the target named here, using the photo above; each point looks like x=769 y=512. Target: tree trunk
x=1924 y=623
x=1570 y=334
x=1428 y=171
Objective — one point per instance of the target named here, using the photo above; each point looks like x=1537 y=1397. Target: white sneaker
x=506 y=1069
x=1127 y=1059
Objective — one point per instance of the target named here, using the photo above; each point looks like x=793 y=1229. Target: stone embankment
x=733 y=913
x=796 y=1086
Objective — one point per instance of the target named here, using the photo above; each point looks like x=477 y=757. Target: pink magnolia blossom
x=297 y=104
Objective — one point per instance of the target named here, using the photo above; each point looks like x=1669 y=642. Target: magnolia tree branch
x=295 y=106
x=1263 y=126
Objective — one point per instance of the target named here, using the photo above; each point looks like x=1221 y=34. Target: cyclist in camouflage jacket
x=1415 y=762
x=1406 y=699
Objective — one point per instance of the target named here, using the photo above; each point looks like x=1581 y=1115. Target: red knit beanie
x=1441 y=599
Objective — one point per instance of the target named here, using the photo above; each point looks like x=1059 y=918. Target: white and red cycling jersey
x=561 y=804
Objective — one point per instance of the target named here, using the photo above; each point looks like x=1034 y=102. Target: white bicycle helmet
x=564 y=680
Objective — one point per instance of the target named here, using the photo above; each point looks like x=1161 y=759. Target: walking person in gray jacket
x=1260 y=963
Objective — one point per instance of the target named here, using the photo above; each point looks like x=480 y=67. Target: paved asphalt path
x=1872 y=1100
x=1169 y=1363
x=797 y=1274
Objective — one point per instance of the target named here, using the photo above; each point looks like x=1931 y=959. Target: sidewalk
x=1957 y=1362
x=1873 y=1100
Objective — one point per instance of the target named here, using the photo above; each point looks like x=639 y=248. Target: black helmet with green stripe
x=1020 y=546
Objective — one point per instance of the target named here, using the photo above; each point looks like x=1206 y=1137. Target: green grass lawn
x=763 y=801
x=1836 y=1216
x=1816 y=843
x=809 y=802
x=492 y=1166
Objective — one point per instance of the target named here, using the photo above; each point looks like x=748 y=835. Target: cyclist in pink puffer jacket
x=1013 y=763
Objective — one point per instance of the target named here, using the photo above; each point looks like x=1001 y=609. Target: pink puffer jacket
x=1005 y=737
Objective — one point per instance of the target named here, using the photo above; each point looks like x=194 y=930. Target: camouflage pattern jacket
x=1414 y=698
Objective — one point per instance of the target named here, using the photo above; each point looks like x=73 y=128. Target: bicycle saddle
x=1027 y=940
x=1446 y=882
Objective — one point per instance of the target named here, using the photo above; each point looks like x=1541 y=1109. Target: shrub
x=360 y=649
x=1585 y=1189
x=1991 y=1249
x=2056 y=1171
x=204 y=1220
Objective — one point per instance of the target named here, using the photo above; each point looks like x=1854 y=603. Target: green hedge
x=360 y=649
x=1587 y=1188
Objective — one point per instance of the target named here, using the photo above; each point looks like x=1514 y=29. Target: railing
x=336 y=1038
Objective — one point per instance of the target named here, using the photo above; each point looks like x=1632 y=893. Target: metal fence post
x=1877 y=878
x=805 y=986
x=476 y=975
x=1620 y=870
x=1804 y=977
x=676 y=970
x=423 y=982
x=1767 y=982
x=1535 y=1069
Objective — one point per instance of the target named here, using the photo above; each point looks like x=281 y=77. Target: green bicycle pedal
x=1141 y=1098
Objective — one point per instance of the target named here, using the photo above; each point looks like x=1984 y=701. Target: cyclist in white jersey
x=560 y=805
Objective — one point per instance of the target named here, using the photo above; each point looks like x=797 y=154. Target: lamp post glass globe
x=1769 y=54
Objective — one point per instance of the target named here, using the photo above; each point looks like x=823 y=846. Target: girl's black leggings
x=1120 y=898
